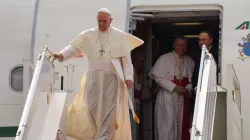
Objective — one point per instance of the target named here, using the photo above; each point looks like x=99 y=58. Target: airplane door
x=144 y=106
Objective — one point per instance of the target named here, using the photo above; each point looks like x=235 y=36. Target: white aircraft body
x=27 y=26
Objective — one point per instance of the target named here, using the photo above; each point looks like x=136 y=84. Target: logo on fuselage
x=244 y=44
x=244 y=47
x=243 y=26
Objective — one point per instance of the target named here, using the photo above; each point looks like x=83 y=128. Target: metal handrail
x=31 y=93
x=203 y=54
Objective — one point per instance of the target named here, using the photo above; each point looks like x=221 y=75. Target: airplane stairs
x=44 y=114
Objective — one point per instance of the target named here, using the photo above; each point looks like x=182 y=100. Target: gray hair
x=179 y=38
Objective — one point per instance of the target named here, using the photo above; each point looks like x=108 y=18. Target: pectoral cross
x=102 y=51
x=103 y=44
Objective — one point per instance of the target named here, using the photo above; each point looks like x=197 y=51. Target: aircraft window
x=16 y=78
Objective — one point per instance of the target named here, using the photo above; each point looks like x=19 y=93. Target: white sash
x=117 y=64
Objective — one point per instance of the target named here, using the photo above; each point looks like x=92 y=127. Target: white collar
x=177 y=56
x=108 y=30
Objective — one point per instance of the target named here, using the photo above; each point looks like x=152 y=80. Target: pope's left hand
x=128 y=83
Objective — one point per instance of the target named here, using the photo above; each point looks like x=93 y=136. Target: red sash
x=186 y=117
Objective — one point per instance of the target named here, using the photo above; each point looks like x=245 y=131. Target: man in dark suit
x=205 y=38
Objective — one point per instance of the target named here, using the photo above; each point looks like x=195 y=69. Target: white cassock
x=170 y=105
x=101 y=106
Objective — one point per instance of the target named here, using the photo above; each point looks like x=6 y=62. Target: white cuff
x=69 y=52
x=189 y=87
x=166 y=84
x=128 y=68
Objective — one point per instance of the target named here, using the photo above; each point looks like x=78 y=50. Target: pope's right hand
x=58 y=56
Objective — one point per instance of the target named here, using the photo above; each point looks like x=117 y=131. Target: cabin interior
x=158 y=30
